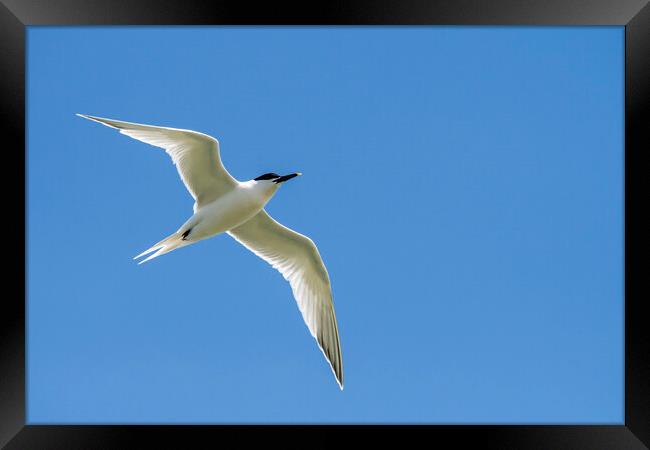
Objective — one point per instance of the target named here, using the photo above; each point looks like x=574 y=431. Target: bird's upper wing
x=298 y=260
x=196 y=156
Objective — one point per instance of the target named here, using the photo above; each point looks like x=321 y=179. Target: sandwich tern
x=226 y=205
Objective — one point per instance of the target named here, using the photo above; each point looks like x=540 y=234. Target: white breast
x=229 y=211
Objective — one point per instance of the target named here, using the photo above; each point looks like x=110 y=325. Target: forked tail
x=165 y=246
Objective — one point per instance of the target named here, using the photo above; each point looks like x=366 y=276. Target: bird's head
x=275 y=178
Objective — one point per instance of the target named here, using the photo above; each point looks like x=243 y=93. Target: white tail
x=165 y=246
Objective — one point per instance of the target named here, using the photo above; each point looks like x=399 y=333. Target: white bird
x=224 y=204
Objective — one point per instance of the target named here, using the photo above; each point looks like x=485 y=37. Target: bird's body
x=224 y=204
x=232 y=209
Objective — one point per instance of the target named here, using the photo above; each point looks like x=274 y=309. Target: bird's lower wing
x=196 y=156
x=296 y=257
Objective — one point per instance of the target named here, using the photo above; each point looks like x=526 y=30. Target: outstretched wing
x=296 y=257
x=196 y=156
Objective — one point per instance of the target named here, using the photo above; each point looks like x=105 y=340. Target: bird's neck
x=264 y=190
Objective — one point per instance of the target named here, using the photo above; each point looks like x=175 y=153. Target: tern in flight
x=226 y=205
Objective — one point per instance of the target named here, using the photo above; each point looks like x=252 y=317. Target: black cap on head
x=267 y=176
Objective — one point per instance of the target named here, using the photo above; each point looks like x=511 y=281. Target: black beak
x=284 y=178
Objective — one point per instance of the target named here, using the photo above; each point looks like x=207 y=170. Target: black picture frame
x=15 y=15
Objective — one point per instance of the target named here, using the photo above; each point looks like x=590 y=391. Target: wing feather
x=196 y=156
x=296 y=257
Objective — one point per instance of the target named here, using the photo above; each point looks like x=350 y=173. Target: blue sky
x=464 y=186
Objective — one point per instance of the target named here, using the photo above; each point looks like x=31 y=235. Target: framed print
x=459 y=260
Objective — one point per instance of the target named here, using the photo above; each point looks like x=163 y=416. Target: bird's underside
x=295 y=256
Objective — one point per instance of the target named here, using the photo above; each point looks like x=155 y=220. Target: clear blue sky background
x=464 y=186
